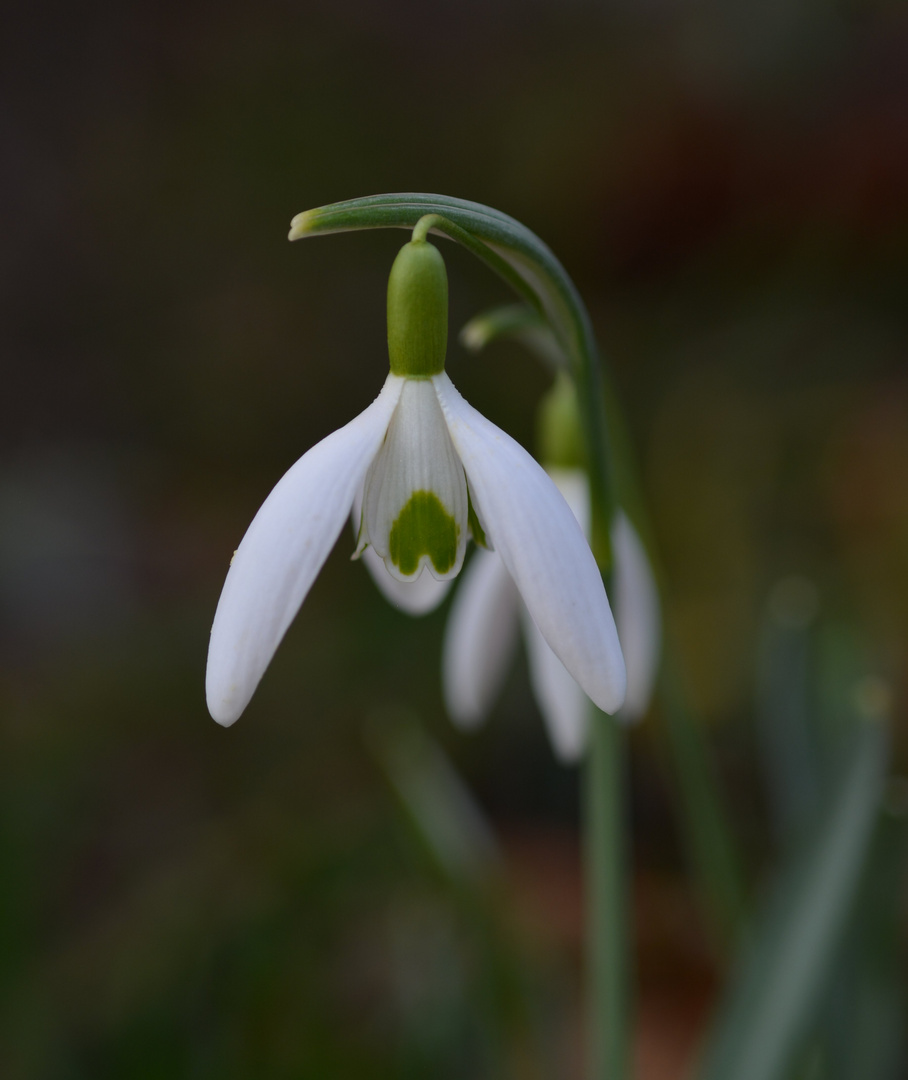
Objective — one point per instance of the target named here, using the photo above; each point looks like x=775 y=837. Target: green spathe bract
x=423 y=527
x=560 y=437
x=418 y=311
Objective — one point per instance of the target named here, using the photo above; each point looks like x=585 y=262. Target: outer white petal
x=543 y=547
x=637 y=608
x=417 y=597
x=564 y=706
x=639 y=617
x=480 y=638
x=283 y=551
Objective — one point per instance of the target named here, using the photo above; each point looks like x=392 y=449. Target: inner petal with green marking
x=423 y=527
x=415 y=501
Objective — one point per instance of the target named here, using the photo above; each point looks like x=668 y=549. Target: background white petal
x=480 y=638
x=564 y=706
x=574 y=485
x=639 y=617
x=543 y=547
x=283 y=551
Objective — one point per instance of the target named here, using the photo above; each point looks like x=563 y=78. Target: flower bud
x=418 y=311
x=559 y=434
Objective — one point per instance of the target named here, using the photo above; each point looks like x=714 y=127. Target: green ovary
x=423 y=527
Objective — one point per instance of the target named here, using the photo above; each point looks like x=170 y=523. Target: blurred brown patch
x=675 y=972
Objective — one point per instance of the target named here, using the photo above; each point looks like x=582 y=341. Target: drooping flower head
x=429 y=472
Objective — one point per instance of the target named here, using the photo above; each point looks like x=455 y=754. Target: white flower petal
x=637 y=608
x=480 y=637
x=542 y=546
x=416 y=597
x=415 y=502
x=564 y=706
x=638 y=614
x=283 y=551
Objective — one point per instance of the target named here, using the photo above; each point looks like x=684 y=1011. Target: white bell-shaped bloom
x=481 y=635
x=424 y=463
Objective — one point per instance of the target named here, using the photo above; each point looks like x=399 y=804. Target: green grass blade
x=792 y=756
x=783 y=976
x=437 y=803
x=870 y=1032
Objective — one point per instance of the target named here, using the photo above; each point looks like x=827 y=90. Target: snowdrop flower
x=485 y=618
x=430 y=471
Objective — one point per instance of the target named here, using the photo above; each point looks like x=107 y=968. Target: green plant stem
x=608 y=901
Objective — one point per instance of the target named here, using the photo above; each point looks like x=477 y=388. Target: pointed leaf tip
x=301 y=225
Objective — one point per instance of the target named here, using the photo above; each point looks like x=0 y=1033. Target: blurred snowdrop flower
x=486 y=615
x=430 y=471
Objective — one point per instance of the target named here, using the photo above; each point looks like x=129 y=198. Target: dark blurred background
x=728 y=185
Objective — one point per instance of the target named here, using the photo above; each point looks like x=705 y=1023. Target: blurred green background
x=727 y=183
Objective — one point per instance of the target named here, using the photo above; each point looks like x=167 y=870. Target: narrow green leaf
x=786 y=727
x=867 y=1042
x=783 y=974
x=438 y=804
x=495 y=993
